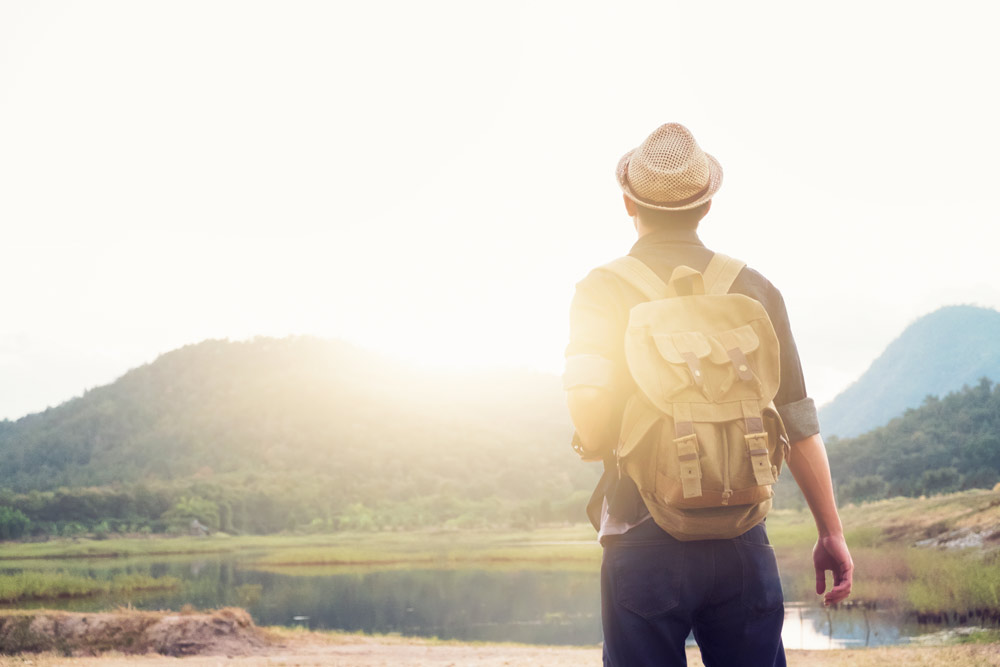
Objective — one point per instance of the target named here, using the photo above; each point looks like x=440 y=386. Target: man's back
x=656 y=587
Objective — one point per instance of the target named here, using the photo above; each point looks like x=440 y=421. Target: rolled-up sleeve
x=800 y=418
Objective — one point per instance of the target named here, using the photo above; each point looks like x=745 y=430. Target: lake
x=534 y=606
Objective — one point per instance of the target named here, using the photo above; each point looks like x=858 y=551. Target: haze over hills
x=309 y=434
x=939 y=353
x=275 y=433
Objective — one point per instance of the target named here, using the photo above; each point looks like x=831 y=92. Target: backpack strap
x=720 y=273
x=639 y=276
x=686 y=443
x=756 y=439
x=718 y=277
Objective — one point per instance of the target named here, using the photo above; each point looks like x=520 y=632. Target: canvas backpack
x=700 y=436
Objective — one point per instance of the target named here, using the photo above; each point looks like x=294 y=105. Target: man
x=657 y=587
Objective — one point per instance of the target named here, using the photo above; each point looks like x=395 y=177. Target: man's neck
x=679 y=230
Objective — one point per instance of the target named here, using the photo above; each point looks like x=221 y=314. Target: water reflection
x=528 y=606
x=817 y=628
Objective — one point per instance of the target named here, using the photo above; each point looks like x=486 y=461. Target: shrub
x=13 y=523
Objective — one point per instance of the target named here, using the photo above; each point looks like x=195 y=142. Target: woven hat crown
x=669 y=171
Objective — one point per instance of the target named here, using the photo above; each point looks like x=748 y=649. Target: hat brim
x=714 y=183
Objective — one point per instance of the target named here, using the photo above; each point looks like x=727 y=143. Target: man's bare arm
x=811 y=469
x=594 y=412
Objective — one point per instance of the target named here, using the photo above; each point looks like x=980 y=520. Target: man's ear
x=629 y=206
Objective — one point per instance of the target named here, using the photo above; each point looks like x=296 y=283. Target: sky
x=430 y=179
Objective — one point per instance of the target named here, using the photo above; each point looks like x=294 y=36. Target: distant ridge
x=295 y=433
x=939 y=353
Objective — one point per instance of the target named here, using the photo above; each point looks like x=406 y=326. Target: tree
x=188 y=508
x=13 y=523
x=869 y=487
x=941 y=480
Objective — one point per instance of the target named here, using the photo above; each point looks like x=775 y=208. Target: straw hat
x=669 y=171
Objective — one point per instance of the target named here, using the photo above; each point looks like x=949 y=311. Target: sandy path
x=370 y=652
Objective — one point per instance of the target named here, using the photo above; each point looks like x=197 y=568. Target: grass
x=441 y=551
x=128 y=547
x=27 y=586
x=411 y=544
x=959 y=581
x=890 y=572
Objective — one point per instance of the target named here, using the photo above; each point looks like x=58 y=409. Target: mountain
x=939 y=353
x=267 y=434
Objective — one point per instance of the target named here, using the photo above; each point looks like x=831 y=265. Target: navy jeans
x=656 y=589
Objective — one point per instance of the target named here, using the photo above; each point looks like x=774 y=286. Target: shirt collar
x=670 y=235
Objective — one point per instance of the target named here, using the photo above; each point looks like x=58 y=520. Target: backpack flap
x=702 y=348
x=684 y=348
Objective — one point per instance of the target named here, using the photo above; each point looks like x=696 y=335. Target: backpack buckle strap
x=756 y=438
x=694 y=365
x=752 y=417
x=736 y=355
x=690 y=465
x=740 y=363
x=687 y=451
x=763 y=473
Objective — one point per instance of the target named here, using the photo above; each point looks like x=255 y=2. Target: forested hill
x=946 y=444
x=275 y=433
x=941 y=352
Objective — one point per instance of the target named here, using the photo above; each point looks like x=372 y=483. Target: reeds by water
x=26 y=586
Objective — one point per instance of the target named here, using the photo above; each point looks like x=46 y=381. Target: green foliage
x=190 y=508
x=947 y=444
x=295 y=434
x=941 y=480
x=52 y=585
x=953 y=581
x=868 y=487
x=13 y=523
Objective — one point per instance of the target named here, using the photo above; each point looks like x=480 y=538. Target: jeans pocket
x=761 y=582
x=647 y=579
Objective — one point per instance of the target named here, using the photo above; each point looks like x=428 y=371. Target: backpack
x=700 y=436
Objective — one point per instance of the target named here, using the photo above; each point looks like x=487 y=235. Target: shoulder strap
x=720 y=273
x=640 y=276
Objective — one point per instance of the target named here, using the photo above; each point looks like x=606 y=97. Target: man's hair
x=654 y=217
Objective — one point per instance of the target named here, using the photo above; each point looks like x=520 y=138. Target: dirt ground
x=228 y=637
x=354 y=651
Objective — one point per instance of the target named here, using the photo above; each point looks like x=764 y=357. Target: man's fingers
x=838 y=592
x=831 y=554
x=842 y=582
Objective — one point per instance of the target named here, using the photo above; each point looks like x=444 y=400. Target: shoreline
x=362 y=651
x=229 y=637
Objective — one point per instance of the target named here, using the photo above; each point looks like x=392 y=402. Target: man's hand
x=830 y=553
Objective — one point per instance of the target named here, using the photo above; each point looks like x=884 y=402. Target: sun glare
x=454 y=347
